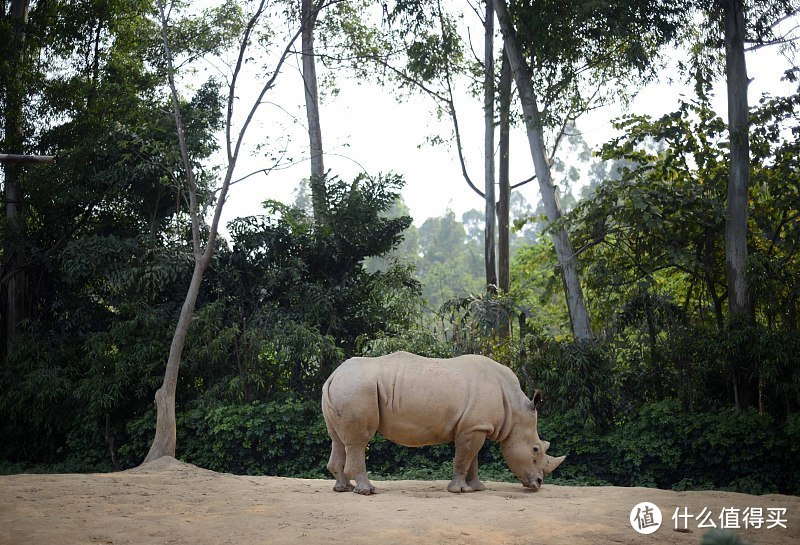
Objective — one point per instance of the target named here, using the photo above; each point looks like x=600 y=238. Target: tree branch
x=181 y=134
x=523 y=182
x=454 y=117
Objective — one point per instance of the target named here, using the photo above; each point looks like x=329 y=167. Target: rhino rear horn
x=537 y=399
x=552 y=464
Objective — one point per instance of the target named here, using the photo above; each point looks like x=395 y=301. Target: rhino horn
x=537 y=399
x=552 y=464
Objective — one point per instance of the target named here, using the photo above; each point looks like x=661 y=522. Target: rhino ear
x=537 y=399
x=545 y=445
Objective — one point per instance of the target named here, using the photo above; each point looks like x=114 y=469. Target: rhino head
x=524 y=452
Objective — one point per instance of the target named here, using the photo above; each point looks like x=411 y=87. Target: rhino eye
x=535 y=449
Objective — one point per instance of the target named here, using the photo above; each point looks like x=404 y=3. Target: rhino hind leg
x=336 y=467
x=355 y=467
x=465 y=463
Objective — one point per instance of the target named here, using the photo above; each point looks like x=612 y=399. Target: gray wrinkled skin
x=417 y=401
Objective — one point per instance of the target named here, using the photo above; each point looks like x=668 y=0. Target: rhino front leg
x=467 y=447
x=472 y=476
x=355 y=467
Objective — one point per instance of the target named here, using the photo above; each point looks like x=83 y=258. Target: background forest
x=669 y=385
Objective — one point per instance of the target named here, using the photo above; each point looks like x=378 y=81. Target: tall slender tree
x=504 y=201
x=308 y=16
x=568 y=263
x=488 y=149
x=14 y=277
x=763 y=20
x=165 y=439
x=739 y=303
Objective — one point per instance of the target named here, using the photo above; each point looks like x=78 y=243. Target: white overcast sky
x=364 y=127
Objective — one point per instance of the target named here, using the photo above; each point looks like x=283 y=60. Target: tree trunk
x=568 y=263
x=739 y=303
x=319 y=199
x=503 y=204
x=165 y=440
x=708 y=268
x=488 y=150
x=14 y=266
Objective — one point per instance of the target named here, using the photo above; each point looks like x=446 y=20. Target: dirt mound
x=167 y=464
x=171 y=502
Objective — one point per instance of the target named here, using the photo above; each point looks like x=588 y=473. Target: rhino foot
x=364 y=490
x=343 y=487
x=459 y=486
x=476 y=485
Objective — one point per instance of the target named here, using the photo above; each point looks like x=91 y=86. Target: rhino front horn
x=552 y=464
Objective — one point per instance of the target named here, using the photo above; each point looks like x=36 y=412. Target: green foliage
x=578 y=377
x=654 y=262
x=732 y=449
x=278 y=438
x=535 y=276
x=102 y=230
x=444 y=266
x=587 y=452
x=291 y=299
x=660 y=224
x=472 y=324
x=573 y=44
x=657 y=446
x=417 y=340
x=281 y=308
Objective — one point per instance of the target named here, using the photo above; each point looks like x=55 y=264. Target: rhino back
x=422 y=401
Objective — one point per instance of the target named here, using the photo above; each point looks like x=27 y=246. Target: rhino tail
x=327 y=405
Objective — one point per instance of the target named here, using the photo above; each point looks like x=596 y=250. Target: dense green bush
x=660 y=446
x=286 y=438
x=279 y=438
x=576 y=377
x=657 y=446
x=588 y=458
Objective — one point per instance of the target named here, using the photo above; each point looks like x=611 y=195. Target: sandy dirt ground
x=169 y=502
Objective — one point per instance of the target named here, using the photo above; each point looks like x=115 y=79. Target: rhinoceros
x=417 y=401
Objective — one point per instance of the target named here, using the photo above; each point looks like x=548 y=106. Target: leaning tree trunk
x=504 y=202
x=164 y=441
x=319 y=199
x=568 y=263
x=15 y=259
x=488 y=151
x=739 y=303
